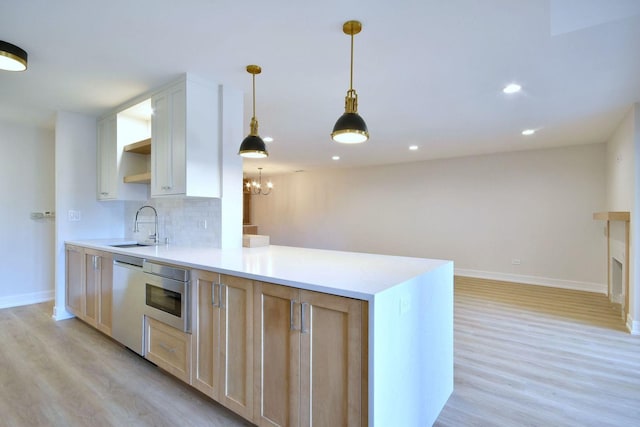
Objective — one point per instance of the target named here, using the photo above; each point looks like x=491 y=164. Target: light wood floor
x=537 y=356
x=524 y=356
x=68 y=374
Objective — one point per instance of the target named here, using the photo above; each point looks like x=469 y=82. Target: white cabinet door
x=185 y=157
x=168 y=132
x=112 y=165
x=107 y=176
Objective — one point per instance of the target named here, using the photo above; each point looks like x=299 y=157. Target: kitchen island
x=407 y=375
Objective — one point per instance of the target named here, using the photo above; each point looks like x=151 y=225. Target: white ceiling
x=427 y=72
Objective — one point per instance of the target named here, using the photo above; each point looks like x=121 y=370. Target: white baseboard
x=600 y=288
x=26 y=299
x=633 y=325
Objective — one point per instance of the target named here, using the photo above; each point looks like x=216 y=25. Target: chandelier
x=255 y=187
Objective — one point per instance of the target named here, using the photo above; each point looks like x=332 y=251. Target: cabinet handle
x=166 y=187
x=213 y=294
x=303 y=327
x=167 y=348
x=291 y=308
x=222 y=295
x=104 y=193
x=95 y=262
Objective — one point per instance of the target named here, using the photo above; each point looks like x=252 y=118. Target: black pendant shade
x=12 y=58
x=253 y=147
x=350 y=129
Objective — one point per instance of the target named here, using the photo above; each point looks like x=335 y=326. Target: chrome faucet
x=154 y=237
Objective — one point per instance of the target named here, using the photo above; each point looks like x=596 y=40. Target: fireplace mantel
x=612 y=216
x=626 y=218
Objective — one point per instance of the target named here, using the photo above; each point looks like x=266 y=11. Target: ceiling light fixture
x=253 y=146
x=12 y=58
x=413 y=147
x=528 y=132
x=335 y=158
x=255 y=187
x=512 y=88
x=350 y=127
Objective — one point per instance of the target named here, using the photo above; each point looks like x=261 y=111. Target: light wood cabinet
x=169 y=348
x=223 y=340
x=74 y=272
x=309 y=351
x=89 y=286
x=184 y=130
x=98 y=289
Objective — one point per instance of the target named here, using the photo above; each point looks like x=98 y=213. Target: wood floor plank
x=539 y=356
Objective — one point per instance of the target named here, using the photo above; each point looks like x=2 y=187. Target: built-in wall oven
x=167 y=295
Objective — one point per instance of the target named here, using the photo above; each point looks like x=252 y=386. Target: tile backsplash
x=194 y=222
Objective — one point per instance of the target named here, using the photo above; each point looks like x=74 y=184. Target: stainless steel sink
x=128 y=245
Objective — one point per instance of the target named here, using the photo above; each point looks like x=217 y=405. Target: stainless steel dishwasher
x=128 y=302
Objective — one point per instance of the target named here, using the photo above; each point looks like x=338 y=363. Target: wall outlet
x=74 y=215
x=515 y=261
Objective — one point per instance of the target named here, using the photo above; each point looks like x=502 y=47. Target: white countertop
x=350 y=274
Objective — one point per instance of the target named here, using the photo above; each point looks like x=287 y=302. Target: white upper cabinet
x=185 y=154
x=113 y=164
x=169 y=138
x=107 y=158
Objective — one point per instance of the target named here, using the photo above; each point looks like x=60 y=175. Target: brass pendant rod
x=254 y=94
x=351 y=72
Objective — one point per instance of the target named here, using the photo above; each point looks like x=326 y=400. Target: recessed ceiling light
x=512 y=88
x=267 y=139
x=336 y=157
x=528 y=132
x=413 y=147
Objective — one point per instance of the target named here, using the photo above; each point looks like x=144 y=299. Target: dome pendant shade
x=350 y=129
x=12 y=58
x=253 y=146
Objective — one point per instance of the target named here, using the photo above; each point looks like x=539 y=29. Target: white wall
x=75 y=189
x=26 y=185
x=481 y=211
x=623 y=178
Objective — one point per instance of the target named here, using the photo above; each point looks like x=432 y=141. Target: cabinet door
x=206 y=332
x=236 y=345
x=277 y=356
x=74 y=279
x=91 y=289
x=105 y=294
x=107 y=176
x=168 y=132
x=330 y=360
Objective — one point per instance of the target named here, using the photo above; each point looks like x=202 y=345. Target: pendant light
x=253 y=146
x=12 y=58
x=350 y=127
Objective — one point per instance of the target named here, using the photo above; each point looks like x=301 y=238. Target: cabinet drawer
x=169 y=348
